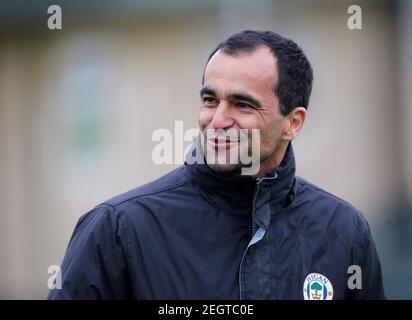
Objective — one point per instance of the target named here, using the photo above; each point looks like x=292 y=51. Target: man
x=208 y=231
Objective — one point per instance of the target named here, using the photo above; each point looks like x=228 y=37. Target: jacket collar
x=238 y=193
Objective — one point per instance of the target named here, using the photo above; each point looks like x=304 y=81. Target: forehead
x=254 y=71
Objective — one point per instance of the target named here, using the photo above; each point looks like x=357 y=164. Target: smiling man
x=240 y=93
x=208 y=231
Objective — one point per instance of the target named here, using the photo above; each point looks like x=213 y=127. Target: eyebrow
x=235 y=96
x=207 y=90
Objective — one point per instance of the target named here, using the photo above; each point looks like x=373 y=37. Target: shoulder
x=336 y=214
x=134 y=205
x=325 y=200
x=114 y=213
x=166 y=183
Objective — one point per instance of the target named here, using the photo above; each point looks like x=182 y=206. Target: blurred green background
x=78 y=107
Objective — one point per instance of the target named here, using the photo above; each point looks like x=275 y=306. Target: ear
x=294 y=123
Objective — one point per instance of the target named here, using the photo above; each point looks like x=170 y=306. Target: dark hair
x=295 y=72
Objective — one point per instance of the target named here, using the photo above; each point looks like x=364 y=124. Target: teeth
x=224 y=141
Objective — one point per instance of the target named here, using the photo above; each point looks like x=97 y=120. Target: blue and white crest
x=317 y=287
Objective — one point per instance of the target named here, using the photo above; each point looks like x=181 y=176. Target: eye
x=243 y=105
x=208 y=100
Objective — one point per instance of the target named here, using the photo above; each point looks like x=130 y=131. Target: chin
x=225 y=168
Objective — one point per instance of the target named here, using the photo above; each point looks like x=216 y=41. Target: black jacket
x=198 y=234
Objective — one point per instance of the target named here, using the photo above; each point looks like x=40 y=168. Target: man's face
x=238 y=94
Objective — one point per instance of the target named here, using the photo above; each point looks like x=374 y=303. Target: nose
x=222 y=119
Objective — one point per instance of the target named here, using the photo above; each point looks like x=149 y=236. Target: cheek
x=270 y=136
x=205 y=117
x=249 y=121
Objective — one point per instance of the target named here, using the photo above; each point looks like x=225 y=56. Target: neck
x=272 y=162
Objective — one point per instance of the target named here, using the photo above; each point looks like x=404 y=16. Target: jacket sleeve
x=364 y=255
x=95 y=264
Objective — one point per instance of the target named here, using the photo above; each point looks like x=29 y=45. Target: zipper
x=254 y=225
x=254 y=229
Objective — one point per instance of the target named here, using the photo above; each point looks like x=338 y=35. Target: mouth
x=224 y=142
